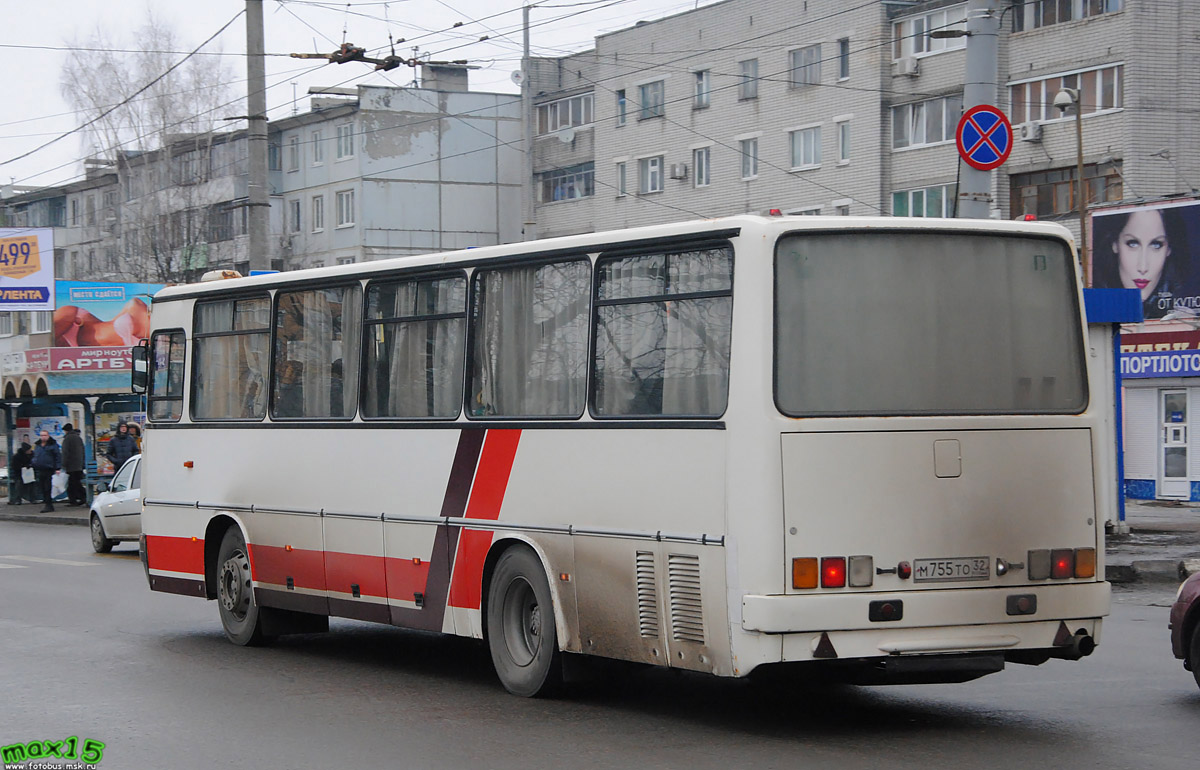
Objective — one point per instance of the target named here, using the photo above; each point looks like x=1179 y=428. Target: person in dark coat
x=121 y=447
x=21 y=459
x=73 y=464
x=47 y=458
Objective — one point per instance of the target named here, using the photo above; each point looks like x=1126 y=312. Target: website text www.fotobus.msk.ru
x=32 y=755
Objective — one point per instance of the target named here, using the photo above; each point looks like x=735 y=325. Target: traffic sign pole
x=983 y=32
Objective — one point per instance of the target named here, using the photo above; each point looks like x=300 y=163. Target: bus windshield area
x=926 y=323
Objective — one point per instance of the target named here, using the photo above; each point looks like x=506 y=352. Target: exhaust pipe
x=1080 y=646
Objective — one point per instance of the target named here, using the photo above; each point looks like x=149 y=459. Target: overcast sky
x=32 y=53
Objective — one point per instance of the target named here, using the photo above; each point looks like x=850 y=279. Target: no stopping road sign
x=984 y=137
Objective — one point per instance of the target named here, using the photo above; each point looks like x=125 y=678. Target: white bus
x=856 y=447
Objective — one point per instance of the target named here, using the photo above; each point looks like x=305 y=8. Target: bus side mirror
x=140 y=376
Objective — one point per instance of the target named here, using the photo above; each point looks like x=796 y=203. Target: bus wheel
x=100 y=541
x=239 y=612
x=1194 y=654
x=520 y=626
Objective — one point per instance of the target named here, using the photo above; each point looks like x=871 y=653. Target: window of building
x=936 y=201
x=166 y=376
x=749 y=151
x=650 y=174
x=843 y=141
x=701 y=157
x=622 y=183
x=293 y=153
x=6 y=323
x=703 y=89
x=844 y=58
x=843 y=210
x=345 y=141
x=90 y=208
x=748 y=85
x=562 y=184
x=318 y=213
x=1032 y=14
x=1052 y=193
x=529 y=340
x=232 y=340
x=318 y=148
x=294 y=215
x=663 y=334
x=807 y=211
x=315 y=361
x=805 y=147
x=564 y=113
x=345 y=260
x=220 y=222
x=345 y=208
x=910 y=36
x=415 y=348
x=622 y=107
x=652 y=100
x=74 y=212
x=806 y=66
x=41 y=322
x=1101 y=89
x=923 y=123
x=274 y=161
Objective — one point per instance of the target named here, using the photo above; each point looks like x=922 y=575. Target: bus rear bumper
x=932 y=622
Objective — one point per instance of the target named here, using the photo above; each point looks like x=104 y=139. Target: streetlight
x=1064 y=100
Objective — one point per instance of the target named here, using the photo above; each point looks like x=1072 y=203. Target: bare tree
x=156 y=128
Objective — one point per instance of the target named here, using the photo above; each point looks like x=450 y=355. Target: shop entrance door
x=1173 y=470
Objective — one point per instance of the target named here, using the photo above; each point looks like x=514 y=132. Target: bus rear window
x=916 y=323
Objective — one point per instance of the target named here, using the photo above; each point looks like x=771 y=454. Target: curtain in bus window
x=659 y=348
x=229 y=380
x=316 y=344
x=530 y=346
x=414 y=366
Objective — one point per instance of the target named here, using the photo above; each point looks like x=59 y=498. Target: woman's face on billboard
x=1142 y=250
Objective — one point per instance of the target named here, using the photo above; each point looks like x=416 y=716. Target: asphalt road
x=86 y=650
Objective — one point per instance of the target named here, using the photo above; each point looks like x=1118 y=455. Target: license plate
x=949 y=570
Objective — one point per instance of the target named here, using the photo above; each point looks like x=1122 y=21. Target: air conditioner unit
x=1030 y=132
x=909 y=66
x=678 y=171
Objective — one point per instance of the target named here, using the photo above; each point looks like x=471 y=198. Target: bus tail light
x=861 y=571
x=1039 y=564
x=833 y=571
x=1062 y=563
x=1085 y=562
x=804 y=573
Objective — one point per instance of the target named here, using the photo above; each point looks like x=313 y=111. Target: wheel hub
x=234 y=585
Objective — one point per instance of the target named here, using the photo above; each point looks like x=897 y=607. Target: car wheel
x=520 y=624
x=100 y=541
x=235 y=594
x=1194 y=653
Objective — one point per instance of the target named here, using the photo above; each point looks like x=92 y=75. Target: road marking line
x=46 y=560
x=11 y=566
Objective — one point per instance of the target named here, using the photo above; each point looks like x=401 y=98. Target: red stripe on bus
x=345 y=570
x=405 y=578
x=275 y=564
x=175 y=554
x=487 y=495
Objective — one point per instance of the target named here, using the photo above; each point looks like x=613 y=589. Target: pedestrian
x=21 y=491
x=135 y=430
x=121 y=447
x=73 y=464
x=47 y=458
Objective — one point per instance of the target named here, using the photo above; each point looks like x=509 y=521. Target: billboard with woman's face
x=1150 y=248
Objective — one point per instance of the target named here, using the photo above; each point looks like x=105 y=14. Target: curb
x=43 y=519
x=1152 y=571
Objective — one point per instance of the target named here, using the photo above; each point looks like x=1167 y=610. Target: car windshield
x=915 y=323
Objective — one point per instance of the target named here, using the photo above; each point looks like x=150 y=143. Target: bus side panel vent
x=647 y=595
x=687 y=616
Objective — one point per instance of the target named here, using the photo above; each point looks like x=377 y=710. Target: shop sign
x=1164 y=363
x=88 y=359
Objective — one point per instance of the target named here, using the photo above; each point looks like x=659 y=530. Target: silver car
x=117 y=508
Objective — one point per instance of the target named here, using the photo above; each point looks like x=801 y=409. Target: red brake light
x=833 y=571
x=1062 y=563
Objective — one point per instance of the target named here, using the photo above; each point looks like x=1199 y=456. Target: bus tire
x=235 y=594
x=1194 y=653
x=521 y=632
x=100 y=541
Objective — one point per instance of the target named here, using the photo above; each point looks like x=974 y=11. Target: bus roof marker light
x=833 y=571
x=861 y=571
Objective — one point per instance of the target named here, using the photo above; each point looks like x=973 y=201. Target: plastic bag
x=58 y=484
x=27 y=475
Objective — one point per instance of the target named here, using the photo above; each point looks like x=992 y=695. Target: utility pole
x=979 y=87
x=256 y=109
x=530 y=228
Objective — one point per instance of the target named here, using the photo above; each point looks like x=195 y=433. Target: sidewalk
x=1163 y=544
